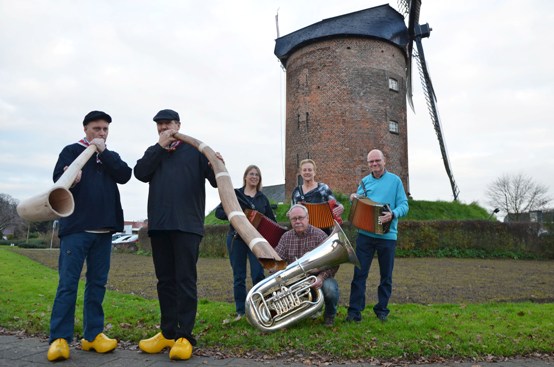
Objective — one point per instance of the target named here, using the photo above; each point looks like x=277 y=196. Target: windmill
x=416 y=32
x=349 y=79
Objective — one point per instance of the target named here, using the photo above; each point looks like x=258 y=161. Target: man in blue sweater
x=87 y=235
x=383 y=187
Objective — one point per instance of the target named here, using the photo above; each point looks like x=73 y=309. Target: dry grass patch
x=416 y=280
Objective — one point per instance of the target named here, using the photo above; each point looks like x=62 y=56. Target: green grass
x=27 y=290
x=445 y=210
x=419 y=210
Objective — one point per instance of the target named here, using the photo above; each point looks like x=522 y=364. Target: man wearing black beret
x=176 y=174
x=96 y=116
x=86 y=235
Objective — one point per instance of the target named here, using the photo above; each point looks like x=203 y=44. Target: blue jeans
x=330 y=290
x=365 y=249
x=239 y=252
x=75 y=249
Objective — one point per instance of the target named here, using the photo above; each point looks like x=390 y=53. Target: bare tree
x=8 y=213
x=517 y=194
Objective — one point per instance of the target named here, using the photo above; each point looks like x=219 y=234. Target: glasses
x=374 y=161
x=297 y=219
x=254 y=174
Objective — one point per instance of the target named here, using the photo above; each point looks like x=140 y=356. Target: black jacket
x=177 y=195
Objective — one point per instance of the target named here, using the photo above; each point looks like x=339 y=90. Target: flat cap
x=96 y=115
x=166 y=115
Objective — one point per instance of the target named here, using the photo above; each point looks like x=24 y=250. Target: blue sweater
x=387 y=189
x=96 y=196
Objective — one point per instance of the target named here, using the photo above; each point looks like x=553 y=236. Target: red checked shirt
x=293 y=246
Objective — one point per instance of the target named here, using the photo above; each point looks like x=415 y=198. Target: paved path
x=22 y=352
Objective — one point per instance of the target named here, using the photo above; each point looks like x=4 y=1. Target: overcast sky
x=213 y=62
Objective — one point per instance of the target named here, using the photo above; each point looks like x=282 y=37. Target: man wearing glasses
x=383 y=187
x=302 y=238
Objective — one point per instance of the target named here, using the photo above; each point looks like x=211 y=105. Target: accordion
x=321 y=215
x=364 y=215
x=269 y=229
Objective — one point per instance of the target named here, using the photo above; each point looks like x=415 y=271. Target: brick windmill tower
x=348 y=79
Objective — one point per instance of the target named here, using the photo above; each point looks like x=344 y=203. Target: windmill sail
x=416 y=32
x=431 y=99
x=411 y=10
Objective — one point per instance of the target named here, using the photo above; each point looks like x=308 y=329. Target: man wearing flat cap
x=176 y=173
x=87 y=235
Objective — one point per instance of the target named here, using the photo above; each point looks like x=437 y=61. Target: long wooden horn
x=58 y=201
x=260 y=247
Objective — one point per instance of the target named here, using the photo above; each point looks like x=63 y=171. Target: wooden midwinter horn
x=58 y=201
x=263 y=251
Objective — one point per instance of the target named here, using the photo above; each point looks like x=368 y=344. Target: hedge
x=427 y=238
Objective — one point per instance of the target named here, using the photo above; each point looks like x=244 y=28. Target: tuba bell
x=287 y=296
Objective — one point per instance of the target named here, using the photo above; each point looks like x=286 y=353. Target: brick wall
x=338 y=108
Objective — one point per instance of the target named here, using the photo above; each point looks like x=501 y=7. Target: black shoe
x=382 y=318
x=352 y=319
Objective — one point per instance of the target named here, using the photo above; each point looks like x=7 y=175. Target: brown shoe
x=101 y=344
x=58 y=350
x=329 y=320
x=155 y=344
x=181 y=350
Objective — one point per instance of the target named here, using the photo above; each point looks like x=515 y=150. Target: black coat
x=177 y=195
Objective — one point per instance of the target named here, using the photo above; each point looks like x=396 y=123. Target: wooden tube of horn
x=58 y=201
x=263 y=251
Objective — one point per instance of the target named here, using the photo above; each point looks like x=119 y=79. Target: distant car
x=116 y=236
x=121 y=239
x=126 y=239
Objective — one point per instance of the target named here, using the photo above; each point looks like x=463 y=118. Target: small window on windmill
x=393 y=127
x=393 y=84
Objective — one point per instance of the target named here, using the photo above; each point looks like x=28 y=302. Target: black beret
x=166 y=115
x=96 y=115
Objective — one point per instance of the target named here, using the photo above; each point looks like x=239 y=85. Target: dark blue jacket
x=96 y=196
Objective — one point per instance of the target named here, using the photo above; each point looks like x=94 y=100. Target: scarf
x=85 y=143
x=171 y=147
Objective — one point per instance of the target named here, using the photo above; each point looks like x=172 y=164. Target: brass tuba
x=286 y=297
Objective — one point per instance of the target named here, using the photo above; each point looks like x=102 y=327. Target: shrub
x=473 y=239
x=34 y=243
x=214 y=242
